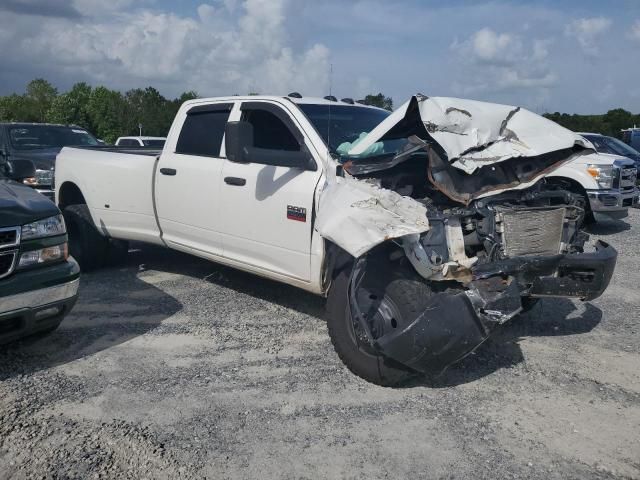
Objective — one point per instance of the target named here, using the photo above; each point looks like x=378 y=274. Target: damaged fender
x=357 y=216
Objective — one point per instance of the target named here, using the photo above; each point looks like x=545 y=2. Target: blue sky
x=547 y=56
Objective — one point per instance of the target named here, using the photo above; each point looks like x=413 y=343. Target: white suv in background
x=157 y=142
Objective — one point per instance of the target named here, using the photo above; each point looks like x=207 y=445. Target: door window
x=269 y=130
x=203 y=130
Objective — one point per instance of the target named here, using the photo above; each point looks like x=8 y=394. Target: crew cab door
x=188 y=178
x=267 y=217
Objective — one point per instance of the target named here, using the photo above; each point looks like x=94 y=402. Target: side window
x=269 y=131
x=203 y=130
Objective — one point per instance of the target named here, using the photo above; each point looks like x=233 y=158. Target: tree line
x=611 y=123
x=106 y=113
x=109 y=113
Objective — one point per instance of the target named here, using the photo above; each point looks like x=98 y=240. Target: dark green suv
x=38 y=279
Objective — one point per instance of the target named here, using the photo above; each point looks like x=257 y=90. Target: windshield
x=153 y=143
x=611 y=145
x=341 y=125
x=31 y=137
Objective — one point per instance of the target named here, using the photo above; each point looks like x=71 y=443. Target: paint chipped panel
x=357 y=215
x=471 y=133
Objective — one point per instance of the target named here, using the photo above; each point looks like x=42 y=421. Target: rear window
x=153 y=143
x=203 y=131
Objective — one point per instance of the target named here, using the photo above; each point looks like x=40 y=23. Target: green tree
x=378 y=100
x=617 y=119
x=185 y=96
x=15 y=108
x=149 y=108
x=71 y=107
x=107 y=111
x=39 y=96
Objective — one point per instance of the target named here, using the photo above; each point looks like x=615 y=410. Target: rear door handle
x=240 y=182
x=168 y=171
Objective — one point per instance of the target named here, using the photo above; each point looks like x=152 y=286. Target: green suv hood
x=20 y=204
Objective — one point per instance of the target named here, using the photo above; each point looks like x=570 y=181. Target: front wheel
x=394 y=304
x=86 y=244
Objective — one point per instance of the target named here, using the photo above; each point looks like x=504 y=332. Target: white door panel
x=188 y=182
x=188 y=202
x=259 y=225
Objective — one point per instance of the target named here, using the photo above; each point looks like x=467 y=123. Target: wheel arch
x=70 y=194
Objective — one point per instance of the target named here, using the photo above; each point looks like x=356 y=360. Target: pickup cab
x=605 y=179
x=40 y=143
x=426 y=228
x=38 y=280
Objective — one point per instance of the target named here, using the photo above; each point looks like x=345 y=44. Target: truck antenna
x=329 y=119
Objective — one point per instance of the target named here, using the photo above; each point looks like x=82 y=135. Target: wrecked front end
x=480 y=229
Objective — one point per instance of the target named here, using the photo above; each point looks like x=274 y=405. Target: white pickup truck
x=426 y=228
x=606 y=181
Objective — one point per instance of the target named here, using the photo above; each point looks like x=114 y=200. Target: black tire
x=409 y=297
x=589 y=218
x=86 y=244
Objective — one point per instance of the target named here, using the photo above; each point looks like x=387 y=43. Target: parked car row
x=424 y=238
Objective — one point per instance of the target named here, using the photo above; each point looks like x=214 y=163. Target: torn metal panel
x=357 y=215
x=473 y=134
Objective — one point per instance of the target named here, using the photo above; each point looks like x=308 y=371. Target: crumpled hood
x=473 y=134
x=475 y=149
x=20 y=204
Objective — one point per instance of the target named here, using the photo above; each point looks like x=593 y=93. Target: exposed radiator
x=531 y=232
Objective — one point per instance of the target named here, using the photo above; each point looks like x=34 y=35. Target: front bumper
x=612 y=203
x=453 y=325
x=36 y=300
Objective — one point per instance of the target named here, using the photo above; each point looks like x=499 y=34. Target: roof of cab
x=295 y=100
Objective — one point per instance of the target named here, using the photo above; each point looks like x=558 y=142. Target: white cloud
x=587 y=31
x=490 y=46
x=635 y=31
x=494 y=62
x=215 y=53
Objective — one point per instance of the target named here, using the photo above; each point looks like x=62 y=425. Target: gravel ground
x=174 y=367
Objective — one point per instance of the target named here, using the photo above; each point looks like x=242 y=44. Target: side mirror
x=238 y=138
x=20 y=169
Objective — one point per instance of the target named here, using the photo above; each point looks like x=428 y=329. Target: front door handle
x=240 y=182
x=168 y=171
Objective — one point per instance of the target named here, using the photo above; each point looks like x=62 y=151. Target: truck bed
x=127 y=150
x=105 y=173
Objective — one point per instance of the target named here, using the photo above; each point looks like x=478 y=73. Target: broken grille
x=628 y=179
x=532 y=232
x=9 y=237
x=7 y=263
